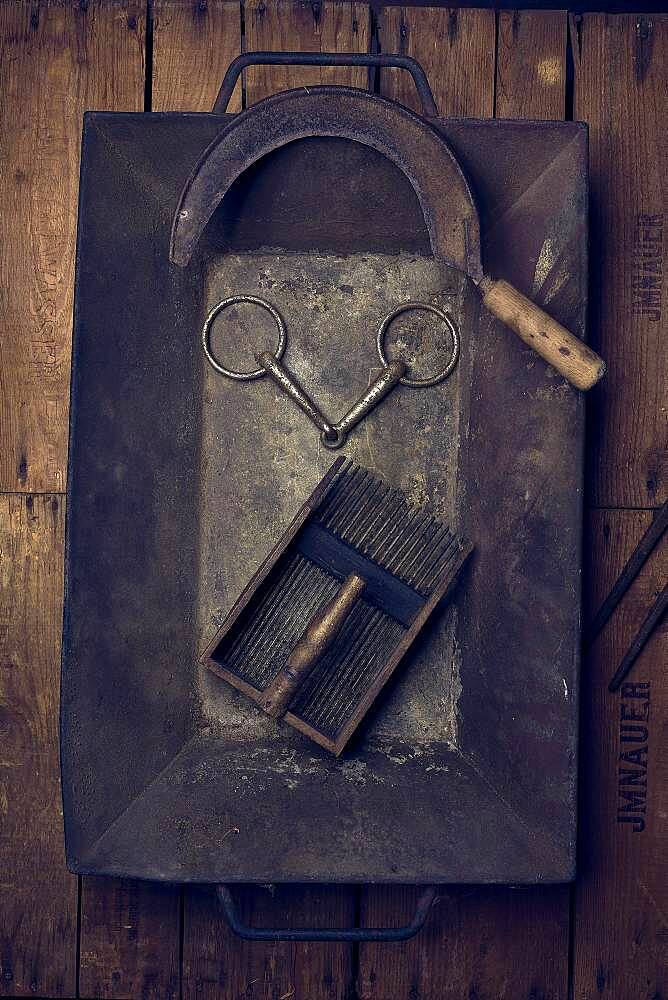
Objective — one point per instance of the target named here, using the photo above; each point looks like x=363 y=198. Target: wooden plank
x=501 y=943
x=621 y=83
x=193 y=44
x=58 y=59
x=327 y=26
x=531 y=64
x=456 y=50
x=218 y=964
x=215 y=962
x=129 y=940
x=621 y=939
x=487 y=943
x=38 y=897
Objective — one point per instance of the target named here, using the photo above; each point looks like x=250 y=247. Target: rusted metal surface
x=390 y=375
x=169 y=517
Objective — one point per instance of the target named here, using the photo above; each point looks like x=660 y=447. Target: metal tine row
x=269 y=655
x=368 y=505
x=280 y=593
x=383 y=547
x=381 y=523
x=435 y=567
x=379 y=653
x=334 y=713
x=334 y=489
x=345 y=663
x=360 y=482
x=349 y=638
x=327 y=679
x=385 y=512
x=289 y=626
x=270 y=599
x=282 y=609
x=352 y=636
x=369 y=640
x=373 y=646
x=338 y=493
x=359 y=491
x=325 y=697
x=440 y=568
x=429 y=537
x=419 y=522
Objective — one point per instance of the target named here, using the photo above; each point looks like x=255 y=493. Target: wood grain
x=129 y=940
x=58 y=59
x=38 y=897
x=531 y=64
x=292 y=25
x=620 y=90
x=552 y=341
x=218 y=964
x=482 y=943
x=456 y=49
x=621 y=917
x=193 y=44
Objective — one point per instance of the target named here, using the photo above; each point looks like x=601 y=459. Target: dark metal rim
x=206 y=335
x=420 y=383
x=387 y=934
x=235 y=68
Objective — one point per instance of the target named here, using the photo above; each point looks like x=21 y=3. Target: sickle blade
x=408 y=141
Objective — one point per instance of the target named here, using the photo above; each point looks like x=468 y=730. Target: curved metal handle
x=429 y=108
x=424 y=903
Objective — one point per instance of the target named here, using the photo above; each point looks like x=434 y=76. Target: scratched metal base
x=254 y=422
x=181 y=482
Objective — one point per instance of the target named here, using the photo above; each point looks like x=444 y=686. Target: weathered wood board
x=621 y=946
x=193 y=44
x=38 y=897
x=621 y=82
x=294 y=26
x=58 y=60
x=456 y=50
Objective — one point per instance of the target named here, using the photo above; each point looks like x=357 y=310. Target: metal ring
x=336 y=441
x=425 y=307
x=234 y=300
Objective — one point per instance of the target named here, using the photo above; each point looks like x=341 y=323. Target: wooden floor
x=60 y=936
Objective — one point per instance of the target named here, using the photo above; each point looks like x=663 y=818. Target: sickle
x=421 y=154
x=345 y=113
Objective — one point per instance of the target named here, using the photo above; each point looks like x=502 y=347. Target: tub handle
x=426 y=900
x=235 y=68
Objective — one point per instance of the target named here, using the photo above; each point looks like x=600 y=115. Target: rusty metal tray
x=179 y=485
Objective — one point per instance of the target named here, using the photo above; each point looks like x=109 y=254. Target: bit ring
x=337 y=440
x=206 y=335
x=420 y=383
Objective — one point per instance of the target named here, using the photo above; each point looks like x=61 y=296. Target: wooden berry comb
x=326 y=619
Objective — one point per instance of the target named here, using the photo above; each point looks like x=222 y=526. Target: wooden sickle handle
x=572 y=359
x=316 y=640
